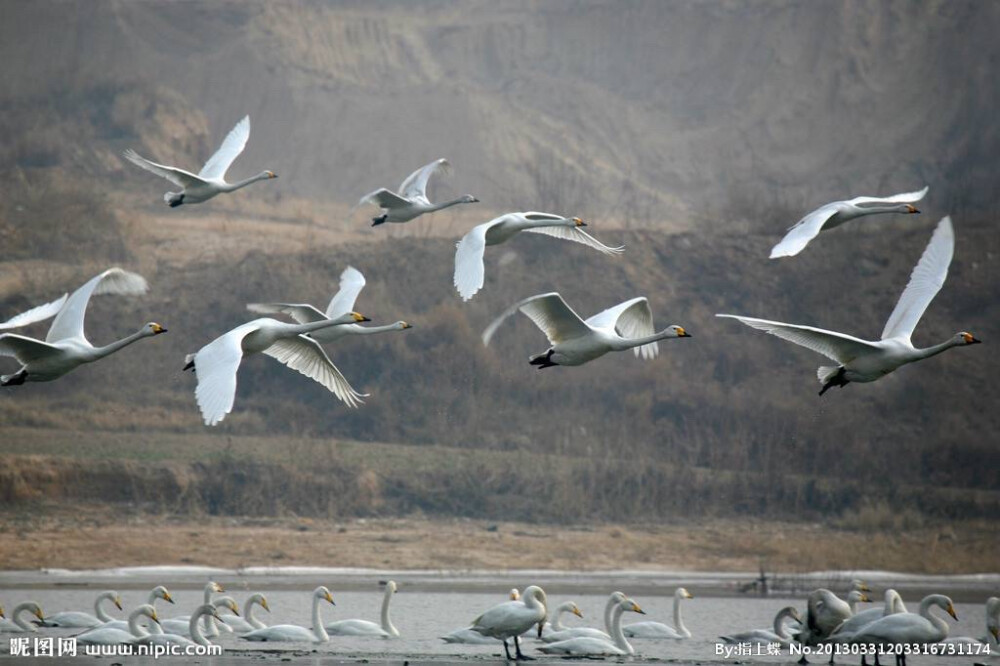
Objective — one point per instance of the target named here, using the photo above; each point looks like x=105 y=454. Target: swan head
x=117 y=602
x=269 y=174
x=631 y=606
x=160 y=592
x=391 y=586
x=468 y=198
x=514 y=594
x=214 y=587
x=358 y=317
x=911 y=209
x=262 y=600
x=577 y=222
x=857 y=595
x=323 y=593
x=152 y=328
x=683 y=593
x=860 y=585
x=575 y=610
x=229 y=603
x=966 y=338
x=679 y=332
x=403 y=326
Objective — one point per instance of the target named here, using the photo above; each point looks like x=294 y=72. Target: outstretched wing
x=925 y=282
x=34 y=315
x=215 y=365
x=307 y=357
x=303 y=313
x=351 y=284
x=836 y=346
x=26 y=350
x=804 y=231
x=548 y=312
x=383 y=198
x=219 y=163
x=631 y=319
x=178 y=177
x=470 y=272
x=69 y=321
x=577 y=235
x=905 y=197
x=415 y=185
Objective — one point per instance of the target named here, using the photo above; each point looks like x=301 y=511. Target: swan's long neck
x=557 y=624
x=318 y=629
x=893 y=603
x=934 y=350
x=612 y=603
x=196 y=634
x=678 y=621
x=622 y=344
x=99 y=611
x=21 y=622
x=779 y=624
x=446 y=204
x=925 y=611
x=617 y=635
x=387 y=625
x=248 y=613
x=299 y=329
x=153 y=627
x=232 y=187
x=101 y=352
x=135 y=628
x=210 y=628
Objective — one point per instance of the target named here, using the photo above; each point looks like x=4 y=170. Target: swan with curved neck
x=513 y=618
x=992 y=637
x=17 y=624
x=919 y=628
x=893 y=604
x=249 y=621
x=82 y=620
x=411 y=201
x=211 y=628
x=292 y=632
x=158 y=592
x=556 y=625
x=591 y=646
x=778 y=633
x=115 y=635
x=614 y=599
x=193 y=629
x=365 y=628
x=660 y=630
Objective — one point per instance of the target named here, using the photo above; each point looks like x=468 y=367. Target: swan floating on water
x=249 y=621
x=411 y=201
x=82 y=620
x=17 y=624
x=192 y=629
x=582 y=646
x=366 y=628
x=919 y=628
x=112 y=634
x=660 y=630
x=293 y=632
x=779 y=634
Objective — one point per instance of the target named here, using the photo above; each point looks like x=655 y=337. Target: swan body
x=35 y=314
x=766 y=636
x=180 y=625
x=468 y=636
x=913 y=628
x=211 y=180
x=893 y=604
x=470 y=270
x=158 y=592
x=365 y=628
x=292 y=632
x=17 y=624
x=589 y=632
x=583 y=646
x=836 y=213
x=351 y=284
x=513 y=618
x=660 y=630
x=81 y=620
x=825 y=611
x=216 y=363
x=574 y=341
x=114 y=635
x=193 y=634
x=867 y=361
x=66 y=346
x=249 y=621
x=411 y=201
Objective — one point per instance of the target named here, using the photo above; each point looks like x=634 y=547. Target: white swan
x=909 y=628
x=864 y=361
x=81 y=620
x=825 y=611
x=211 y=180
x=115 y=635
x=17 y=624
x=836 y=213
x=590 y=646
x=216 y=363
x=779 y=634
x=513 y=618
x=467 y=636
x=411 y=201
x=660 y=630
x=179 y=625
x=469 y=268
x=192 y=633
x=65 y=346
x=555 y=624
x=992 y=637
x=292 y=632
x=628 y=325
x=249 y=621
x=351 y=284
x=35 y=314
x=614 y=600
x=366 y=628
x=158 y=592
x=893 y=604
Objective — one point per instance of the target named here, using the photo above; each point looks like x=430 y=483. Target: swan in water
x=864 y=361
x=513 y=618
x=211 y=180
x=919 y=628
x=992 y=637
x=469 y=268
x=628 y=325
x=411 y=201
x=65 y=346
x=158 y=592
x=35 y=314
x=216 y=363
x=351 y=284
x=660 y=630
x=893 y=604
x=836 y=213
x=249 y=621
x=179 y=625
x=82 y=620
x=366 y=628
x=589 y=646
x=779 y=634
x=17 y=624
x=556 y=625
x=111 y=634
x=467 y=636
x=292 y=632
x=192 y=634
x=589 y=632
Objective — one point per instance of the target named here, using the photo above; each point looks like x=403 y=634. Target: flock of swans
x=572 y=339
x=826 y=619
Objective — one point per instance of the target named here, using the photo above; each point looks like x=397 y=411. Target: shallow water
x=423 y=610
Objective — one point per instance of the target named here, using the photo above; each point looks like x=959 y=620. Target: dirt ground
x=99 y=538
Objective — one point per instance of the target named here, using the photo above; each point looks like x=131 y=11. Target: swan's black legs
x=506 y=650
x=517 y=652
x=543 y=360
x=16 y=379
x=176 y=201
x=379 y=220
x=836 y=380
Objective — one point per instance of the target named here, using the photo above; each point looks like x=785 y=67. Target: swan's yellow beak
x=1 y=612
x=951 y=610
x=218 y=587
x=154 y=617
x=167 y=597
x=359 y=317
x=157 y=329
x=688 y=595
x=864 y=597
x=911 y=209
x=263 y=604
x=271 y=174
x=681 y=333
x=39 y=614
x=405 y=325
x=996 y=633
x=232 y=607
x=579 y=222
x=329 y=598
x=118 y=602
x=636 y=609
x=576 y=611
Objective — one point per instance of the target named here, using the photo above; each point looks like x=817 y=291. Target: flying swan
x=292 y=632
x=628 y=325
x=366 y=628
x=411 y=201
x=351 y=284
x=211 y=180
x=66 y=347
x=864 y=361
x=35 y=314
x=836 y=213
x=216 y=363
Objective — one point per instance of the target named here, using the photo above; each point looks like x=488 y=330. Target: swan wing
x=631 y=319
x=577 y=235
x=35 y=314
x=383 y=198
x=582 y=646
x=351 y=284
x=836 y=346
x=178 y=177
x=925 y=282
x=803 y=231
x=69 y=322
x=281 y=632
x=355 y=628
x=549 y=313
x=218 y=164
x=305 y=356
x=415 y=185
x=303 y=313
x=651 y=630
x=905 y=197
x=470 y=271
x=215 y=365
